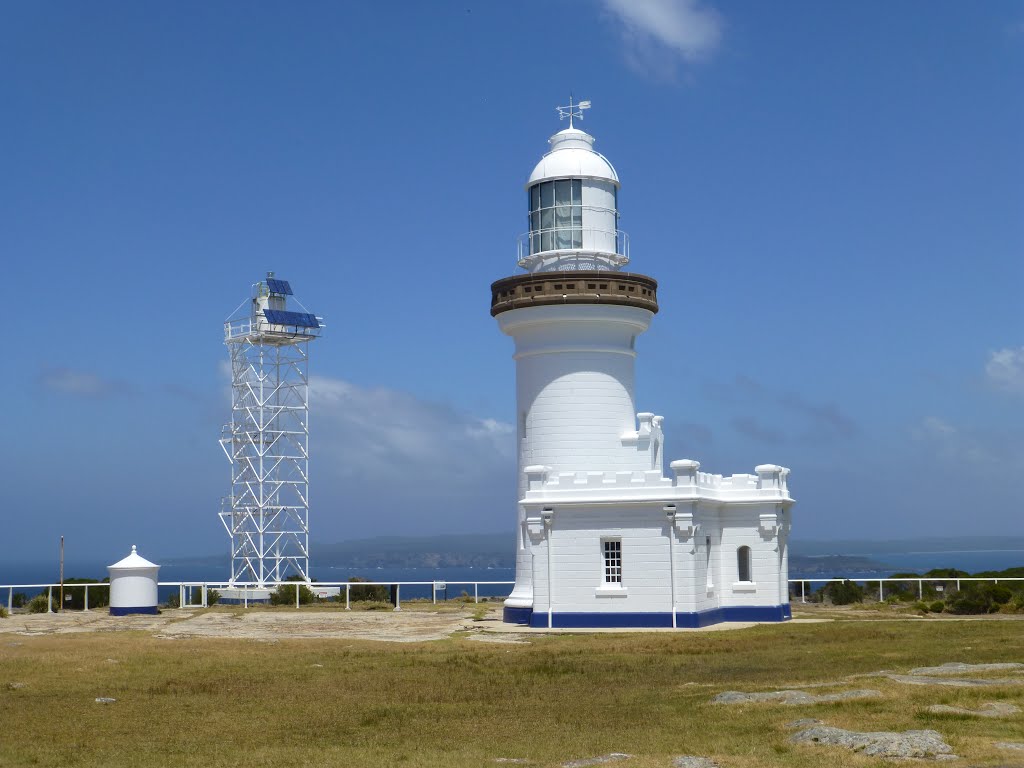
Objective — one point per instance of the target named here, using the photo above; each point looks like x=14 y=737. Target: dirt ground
x=415 y=624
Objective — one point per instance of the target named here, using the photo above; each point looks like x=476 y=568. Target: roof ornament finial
x=573 y=110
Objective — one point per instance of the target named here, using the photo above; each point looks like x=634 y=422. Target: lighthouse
x=603 y=537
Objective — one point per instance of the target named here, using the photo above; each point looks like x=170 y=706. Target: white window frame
x=611 y=568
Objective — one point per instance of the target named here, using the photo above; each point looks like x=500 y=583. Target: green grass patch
x=460 y=702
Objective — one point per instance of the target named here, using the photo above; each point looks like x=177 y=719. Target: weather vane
x=573 y=110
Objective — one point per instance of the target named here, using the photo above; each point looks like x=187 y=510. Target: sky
x=829 y=194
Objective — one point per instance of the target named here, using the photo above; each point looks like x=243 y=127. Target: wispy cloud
x=658 y=34
x=752 y=428
x=397 y=445
x=809 y=420
x=985 y=450
x=67 y=381
x=1005 y=370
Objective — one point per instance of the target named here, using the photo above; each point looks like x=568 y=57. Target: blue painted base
x=516 y=615
x=150 y=610
x=693 y=620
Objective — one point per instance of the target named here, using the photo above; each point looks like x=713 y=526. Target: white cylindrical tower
x=133 y=585
x=575 y=318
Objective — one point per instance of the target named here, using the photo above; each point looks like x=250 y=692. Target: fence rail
x=247 y=591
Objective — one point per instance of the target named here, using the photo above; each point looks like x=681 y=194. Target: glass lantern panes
x=556 y=215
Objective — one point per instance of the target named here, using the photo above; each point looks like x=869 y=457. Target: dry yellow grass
x=459 y=702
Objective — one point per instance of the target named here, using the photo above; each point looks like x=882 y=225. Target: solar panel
x=294 y=319
x=279 y=286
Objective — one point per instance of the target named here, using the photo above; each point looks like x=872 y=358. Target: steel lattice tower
x=267 y=439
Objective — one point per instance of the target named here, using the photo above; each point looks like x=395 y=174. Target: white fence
x=940 y=582
x=247 y=593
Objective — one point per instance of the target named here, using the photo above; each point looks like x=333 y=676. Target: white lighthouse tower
x=603 y=537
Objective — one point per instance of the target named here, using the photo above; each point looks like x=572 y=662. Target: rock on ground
x=988 y=709
x=792 y=697
x=804 y=722
x=959 y=668
x=692 y=761
x=927 y=744
x=613 y=757
x=956 y=682
x=1010 y=745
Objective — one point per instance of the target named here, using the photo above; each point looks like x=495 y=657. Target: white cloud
x=424 y=465
x=80 y=383
x=657 y=33
x=1005 y=370
x=981 y=449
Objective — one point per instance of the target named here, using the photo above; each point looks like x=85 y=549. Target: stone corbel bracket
x=682 y=521
x=769 y=524
x=537 y=523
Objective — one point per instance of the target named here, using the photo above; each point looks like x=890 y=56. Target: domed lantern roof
x=572 y=155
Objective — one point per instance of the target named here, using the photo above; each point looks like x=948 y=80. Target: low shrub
x=3 y=612
x=979 y=598
x=921 y=606
x=74 y=595
x=378 y=593
x=937 y=607
x=843 y=592
x=18 y=600
x=39 y=604
x=285 y=593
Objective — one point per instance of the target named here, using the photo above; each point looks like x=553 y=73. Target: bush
x=285 y=593
x=920 y=606
x=18 y=600
x=3 y=611
x=39 y=604
x=843 y=592
x=74 y=596
x=374 y=593
x=979 y=598
x=937 y=607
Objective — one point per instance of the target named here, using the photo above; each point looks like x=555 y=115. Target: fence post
x=181 y=595
x=398 y=597
x=476 y=592
x=205 y=603
x=433 y=593
x=958 y=585
x=10 y=599
x=803 y=591
x=348 y=592
x=49 y=599
x=920 y=589
x=86 y=597
x=880 y=597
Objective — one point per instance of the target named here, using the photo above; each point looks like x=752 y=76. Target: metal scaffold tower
x=267 y=439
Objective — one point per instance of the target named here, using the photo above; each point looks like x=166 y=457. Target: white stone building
x=605 y=538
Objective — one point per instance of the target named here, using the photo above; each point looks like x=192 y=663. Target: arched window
x=743 y=563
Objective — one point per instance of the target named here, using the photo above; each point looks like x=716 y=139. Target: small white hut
x=133 y=585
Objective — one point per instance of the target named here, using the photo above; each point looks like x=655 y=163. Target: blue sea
x=458 y=580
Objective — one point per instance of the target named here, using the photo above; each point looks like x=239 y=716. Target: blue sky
x=829 y=194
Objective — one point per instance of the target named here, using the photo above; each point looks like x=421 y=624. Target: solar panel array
x=294 y=319
x=279 y=286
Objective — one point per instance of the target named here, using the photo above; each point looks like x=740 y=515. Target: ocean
x=458 y=580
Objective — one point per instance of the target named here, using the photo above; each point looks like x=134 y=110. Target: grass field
x=461 y=702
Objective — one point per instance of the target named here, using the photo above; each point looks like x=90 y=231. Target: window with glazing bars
x=612 y=561
x=556 y=215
